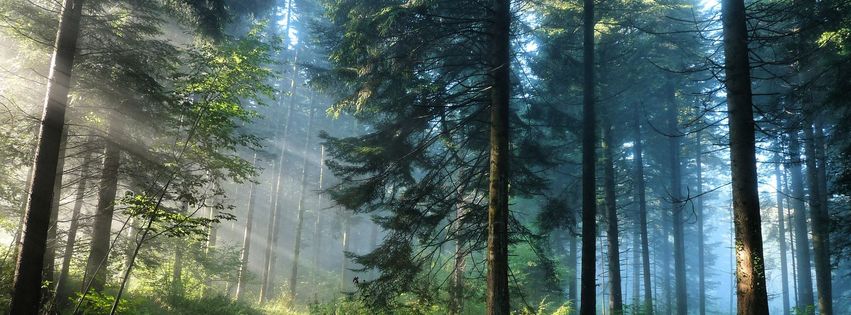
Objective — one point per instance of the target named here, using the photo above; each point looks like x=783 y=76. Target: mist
x=424 y=157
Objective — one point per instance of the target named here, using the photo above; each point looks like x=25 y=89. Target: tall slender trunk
x=636 y=262
x=63 y=291
x=750 y=268
x=24 y=202
x=666 y=263
x=820 y=224
x=210 y=248
x=589 y=183
x=497 y=250
x=456 y=287
x=615 y=296
x=97 y=263
x=317 y=235
x=177 y=268
x=28 y=270
x=52 y=241
x=274 y=224
x=789 y=216
x=344 y=276
x=302 y=196
x=246 y=239
x=641 y=195
x=572 y=270
x=802 y=245
x=781 y=231
x=677 y=207
x=701 y=251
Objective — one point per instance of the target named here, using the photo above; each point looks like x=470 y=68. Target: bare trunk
x=62 y=289
x=456 y=287
x=274 y=224
x=615 y=293
x=26 y=296
x=802 y=245
x=344 y=275
x=497 y=250
x=177 y=268
x=246 y=239
x=750 y=268
x=677 y=207
x=97 y=262
x=302 y=196
x=781 y=231
x=642 y=215
x=50 y=252
x=589 y=185
x=789 y=216
x=701 y=251
x=820 y=223
x=317 y=236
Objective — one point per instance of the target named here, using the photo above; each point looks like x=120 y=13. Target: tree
x=589 y=186
x=28 y=271
x=750 y=264
x=497 y=252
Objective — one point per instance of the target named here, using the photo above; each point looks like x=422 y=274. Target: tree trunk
x=302 y=196
x=62 y=289
x=789 y=215
x=97 y=263
x=572 y=292
x=781 y=231
x=615 y=293
x=177 y=268
x=642 y=215
x=275 y=222
x=317 y=235
x=820 y=224
x=802 y=245
x=344 y=278
x=456 y=286
x=701 y=251
x=750 y=267
x=589 y=184
x=28 y=270
x=677 y=203
x=210 y=248
x=50 y=252
x=497 y=250
x=246 y=239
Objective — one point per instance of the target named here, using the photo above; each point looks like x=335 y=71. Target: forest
x=425 y=157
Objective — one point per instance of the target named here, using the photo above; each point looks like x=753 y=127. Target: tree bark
x=456 y=287
x=641 y=195
x=497 y=248
x=820 y=224
x=62 y=289
x=302 y=196
x=275 y=222
x=589 y=185
x=701 y=250
x=52 y=241
x=802 y=246
x=781 y=231
x=317 y=236
x=246 y=239
x=750 y=264
x=177 y=268
x=344 y=278
x=97 y=263
x=28 y=270
x=677 y=204
x=615 y=293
